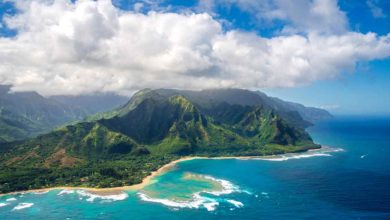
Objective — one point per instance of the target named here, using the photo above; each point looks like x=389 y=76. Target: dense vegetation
x=123 y=146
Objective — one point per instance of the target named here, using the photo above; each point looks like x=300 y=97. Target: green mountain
x=310 y=114
x=93 y=103
x=153 y=128
x=28 y=114
x=294 y=113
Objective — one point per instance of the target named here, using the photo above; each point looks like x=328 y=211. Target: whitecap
x=237 y=204
x=322 y=152
x=65 y=191
x=23 y=205
x=227 y=187
x=11 y=199
x=289 y=157
x=196 y=202
x=2 y=204
x=92 y=197
x=211 y=206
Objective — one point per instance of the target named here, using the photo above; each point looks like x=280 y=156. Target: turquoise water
x=328 y=184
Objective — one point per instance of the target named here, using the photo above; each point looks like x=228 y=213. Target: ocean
x=349 y=179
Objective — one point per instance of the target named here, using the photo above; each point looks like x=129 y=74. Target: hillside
x=294 y=113
x=93 y=103
x=310 y=114
x=28 y=114
x=149 y=131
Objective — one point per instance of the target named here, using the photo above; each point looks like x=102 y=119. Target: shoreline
x=113 y=190
x=148 y=179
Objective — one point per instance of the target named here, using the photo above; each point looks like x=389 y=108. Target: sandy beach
x=146 y=181
x=114 y=190
x=117 y=190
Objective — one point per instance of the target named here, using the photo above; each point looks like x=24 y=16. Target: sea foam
x=10 y=199
x=41 y=192
x=198 y=200
x=65 y=191
x=23 y=205
x=322 y=152
x=227 y=187
x=2 y=204
x=92 y=197
x=235 y=203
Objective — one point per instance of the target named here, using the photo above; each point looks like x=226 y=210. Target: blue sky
x=364 y=92
x=205 y=44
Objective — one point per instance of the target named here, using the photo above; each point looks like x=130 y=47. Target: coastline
x=147 y=180
x=113 y=190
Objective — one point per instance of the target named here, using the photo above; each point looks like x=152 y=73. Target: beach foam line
x=290 y=157
x=11 y=199
x=65 y=191
x=41 y=192
x=22 y=205
x=2 y=204
x=237 y=204
x=92 y=197
x=322 y=152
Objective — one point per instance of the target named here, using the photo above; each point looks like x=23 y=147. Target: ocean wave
x=227 y=187
x=211 y=206
x=41 y=192
x=322 y=152
x=198 y=200
x=237 y=204
x=65 y=191
x=2 y=204
x=92 y=197
x=284 y=157
x=23 y=205
x=10 y=199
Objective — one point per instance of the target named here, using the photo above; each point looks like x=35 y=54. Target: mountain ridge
x=152 y=129
x=28 y=114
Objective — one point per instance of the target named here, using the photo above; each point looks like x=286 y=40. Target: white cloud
x=320 y=16
x=66 y=48
x=376 y=11
x=315 y=16
x=138 y=6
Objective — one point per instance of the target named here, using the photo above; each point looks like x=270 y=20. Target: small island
x=127 y=146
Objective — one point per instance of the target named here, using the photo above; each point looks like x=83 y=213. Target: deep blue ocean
x=353 y=183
